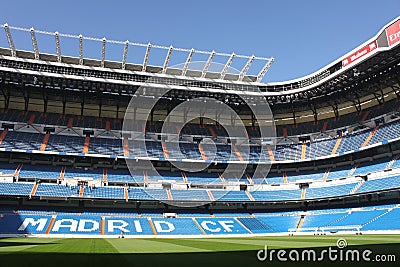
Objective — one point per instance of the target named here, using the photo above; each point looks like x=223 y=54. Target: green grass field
x=180 y=252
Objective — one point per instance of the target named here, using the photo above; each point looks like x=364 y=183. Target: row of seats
x=185 y=150
x=276 y=193
x=124 y=176
x=375 y=218
x=46 y=172
x=33 y=117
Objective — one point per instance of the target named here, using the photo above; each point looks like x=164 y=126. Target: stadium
x=196 y=154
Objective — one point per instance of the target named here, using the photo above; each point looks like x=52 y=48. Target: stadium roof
x=185 y=69
x=363 y=71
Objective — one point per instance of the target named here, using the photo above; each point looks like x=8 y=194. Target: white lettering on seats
x=122 y=224
x=40 y=223
x=205 y=225
x=138 y=226
x=227 y=225
x=160 y=229
x=70 y=223
x=82 y=226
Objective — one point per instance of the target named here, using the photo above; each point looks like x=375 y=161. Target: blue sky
x=302 y=36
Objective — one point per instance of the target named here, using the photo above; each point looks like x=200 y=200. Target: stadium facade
x=91 y=147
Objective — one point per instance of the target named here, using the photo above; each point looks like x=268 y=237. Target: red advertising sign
x=393 y=33
x=360 y=53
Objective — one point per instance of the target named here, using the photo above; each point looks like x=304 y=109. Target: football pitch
x=204 y=252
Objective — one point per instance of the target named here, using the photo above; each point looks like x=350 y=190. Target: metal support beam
x=382 y=94
x=80 y=49
x=146 y=57
x=167 y=58
x=10 y=41
x=64 y=99
x=186 y=66
x=357 y=103
x=227 y=66
x=314 y=111
x=100 y=105
x=253 y=120
x=103 y=51
x=82 y=102
x=117 y=111
x=45 y=101
x=233 y=121
x=293 y=113
x=246 y=68
x=58 y=47
x=26 y=100
x=335 y=109
x=379 y=97
x=264 y=70
x=34 y=43
x=208 y=64
x=6 y=95
x=396 y=90
x=125 y=54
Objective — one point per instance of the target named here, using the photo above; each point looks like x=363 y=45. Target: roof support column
x=264 y=70
x=227 y=66
x=10 y=41
x=314 y=111
x=167 y=58
x=246 y=68
x=146 y=57
x=58 y=47
x=103 y=51
x=80 y=49
x=208 y=64
x=125 y=54
x=186 y=66
x=34 y=43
